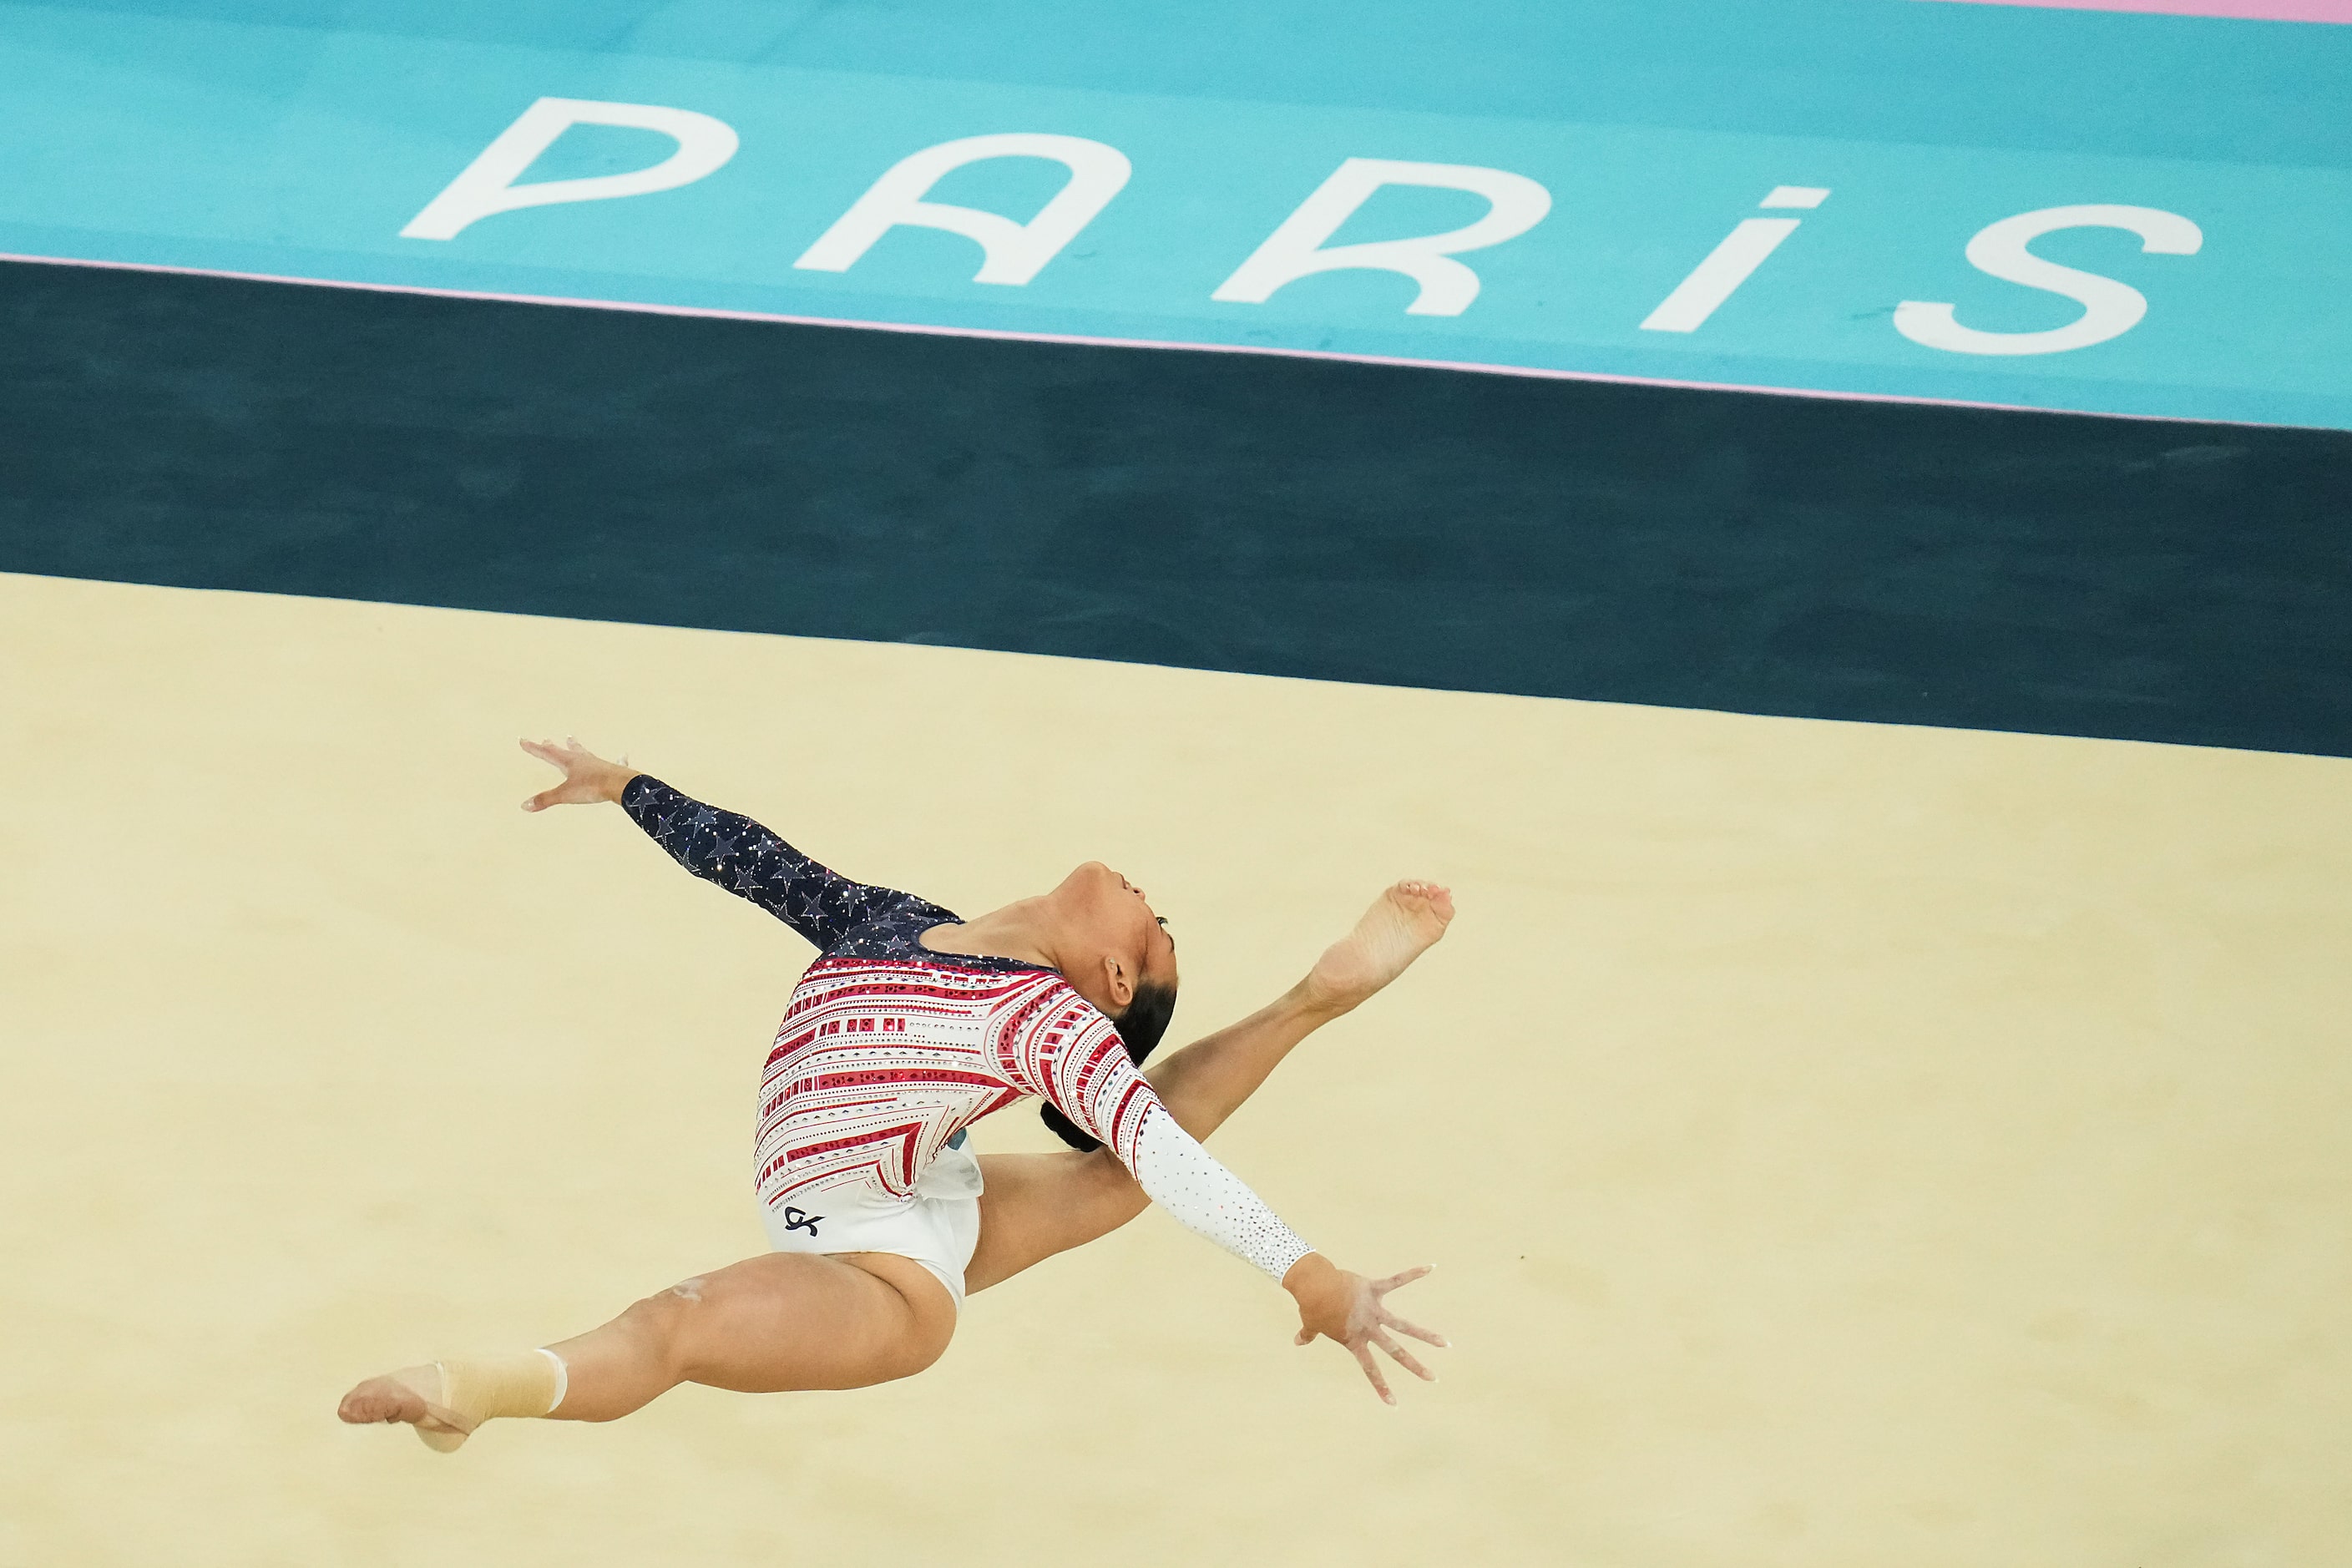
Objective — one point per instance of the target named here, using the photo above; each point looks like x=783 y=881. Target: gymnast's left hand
x=1337 y=1305
x=587 y=777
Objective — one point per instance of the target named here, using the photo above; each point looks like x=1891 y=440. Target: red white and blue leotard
x=888 y=1049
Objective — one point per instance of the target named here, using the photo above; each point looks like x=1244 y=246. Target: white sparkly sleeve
x=1073 y=1055
x=1191 y=1183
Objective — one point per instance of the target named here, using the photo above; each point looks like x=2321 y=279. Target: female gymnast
x=911 y=1024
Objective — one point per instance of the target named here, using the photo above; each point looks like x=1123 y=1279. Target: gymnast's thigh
x=802 y=1321
x=1035 y=1206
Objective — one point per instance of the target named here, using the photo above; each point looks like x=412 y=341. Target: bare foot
x=1402 y=923
x=412 y=1395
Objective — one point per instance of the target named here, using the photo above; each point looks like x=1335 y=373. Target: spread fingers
x=1402 y=1357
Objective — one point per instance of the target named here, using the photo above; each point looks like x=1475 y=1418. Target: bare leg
x=785 y=1321
x=1036 y=1205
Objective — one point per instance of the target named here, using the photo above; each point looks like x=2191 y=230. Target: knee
x=662 y=1323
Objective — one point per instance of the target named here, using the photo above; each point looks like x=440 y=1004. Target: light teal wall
x=214 y=137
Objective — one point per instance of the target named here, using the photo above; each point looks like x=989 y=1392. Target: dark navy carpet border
x=1889 y=563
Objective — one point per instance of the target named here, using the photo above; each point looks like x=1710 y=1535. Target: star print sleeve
x=1073 y=1055
x=747 y=860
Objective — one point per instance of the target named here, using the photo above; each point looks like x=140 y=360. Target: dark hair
x=1140 y=1028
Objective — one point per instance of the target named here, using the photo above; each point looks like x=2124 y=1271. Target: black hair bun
x=1064 y=1129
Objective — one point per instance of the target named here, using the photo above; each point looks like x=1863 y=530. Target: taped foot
x=446 y=1400
x=414 y=1395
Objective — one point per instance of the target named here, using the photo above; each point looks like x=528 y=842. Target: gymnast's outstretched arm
x=723 y=847
x=1036 y=1205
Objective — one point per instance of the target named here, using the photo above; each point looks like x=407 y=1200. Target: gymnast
x=911 y=1024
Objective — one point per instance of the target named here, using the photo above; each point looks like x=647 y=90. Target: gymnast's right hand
x=587 y=777
x=1337 y=1305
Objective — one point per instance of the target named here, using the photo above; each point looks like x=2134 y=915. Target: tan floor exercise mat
x=1841 y=1145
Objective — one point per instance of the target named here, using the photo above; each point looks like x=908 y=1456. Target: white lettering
x=1514 y=204
x=488 y=186
x=1011 y=253
x=2109 y=308
x=1729 y=265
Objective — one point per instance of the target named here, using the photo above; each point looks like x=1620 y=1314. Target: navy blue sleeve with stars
x=746 y=859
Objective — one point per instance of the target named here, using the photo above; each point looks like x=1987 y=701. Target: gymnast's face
x=1131 y=947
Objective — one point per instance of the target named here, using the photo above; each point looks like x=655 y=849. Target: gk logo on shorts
x=801 y=1219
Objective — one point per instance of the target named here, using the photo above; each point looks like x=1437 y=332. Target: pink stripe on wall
x=2250 y=10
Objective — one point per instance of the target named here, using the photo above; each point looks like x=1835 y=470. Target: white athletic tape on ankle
x=562 y=1379
x=520 y=1383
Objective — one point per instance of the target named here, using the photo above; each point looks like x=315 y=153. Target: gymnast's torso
x=880 y=1063
x=890 y=1050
